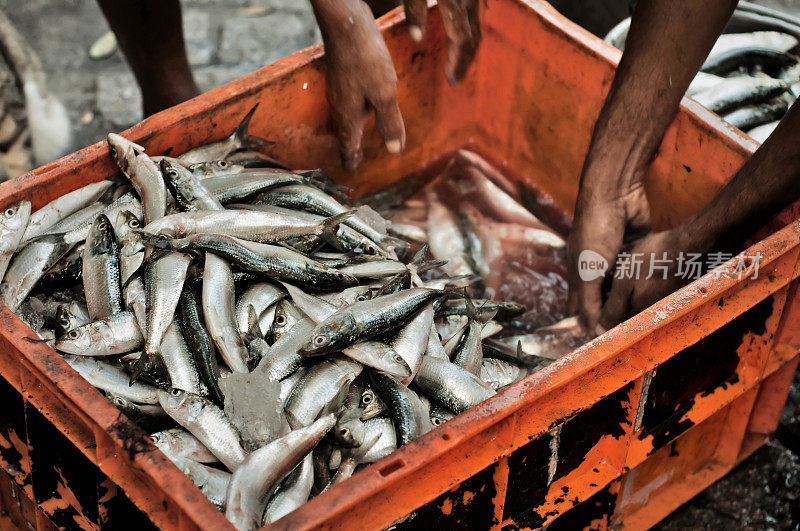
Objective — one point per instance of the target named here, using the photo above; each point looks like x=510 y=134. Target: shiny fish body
x=200 y=342
x=293 y=493
x=365 y=319
x=58 y=209
x=740 y=91
x=179 y=443
x=274 y=261
x=101 y=270
x=164 y=280
x=251 y=225
x=143 y=174
x=318 y=202
x=318 y=387
x=13 y=222
x=235 y=187
x=179 y=362
x=132 y=249
x=28 y=266
x=259 y=296
x=263 y=469
x=219 y=313
x=206 y=422
x=412 y=340
x=112 y=379
x=450 y=385
x=211 y=482
x=409 y=415
x=117 y=334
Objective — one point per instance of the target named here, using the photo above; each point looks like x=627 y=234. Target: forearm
x=768 y=182
x=337 y=19
x=666 y=45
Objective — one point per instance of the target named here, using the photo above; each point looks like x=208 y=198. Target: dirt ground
x=228 y=38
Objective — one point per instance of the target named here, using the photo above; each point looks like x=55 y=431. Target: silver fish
x=205 y=421
x=263 y=469
x=179 y=443
x=117 y=334
x=101 y=270
x=13 y=223
x=451 y=386
x=293 y=492
x=143 y=174
x=61 y=207
x=112 y=379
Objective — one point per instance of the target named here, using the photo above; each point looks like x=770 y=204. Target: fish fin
x=419 y=256
x=35 y=339
x=246 y=140
x=330 y=226
x=397 y=243
x=55 y=237
x=336 y=405
x=318 y=179
x=385 y=289
x=293 y=422
x=472 y=312
x=427 y=266
x=359 y=452
x=144 y=363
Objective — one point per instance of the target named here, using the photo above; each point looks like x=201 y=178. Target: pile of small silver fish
x=749 y=79
x=271 y=338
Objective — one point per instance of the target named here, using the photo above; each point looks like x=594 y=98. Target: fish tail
x=245 y=139
x=318 y=179
x=145 y=363
x=330 y=226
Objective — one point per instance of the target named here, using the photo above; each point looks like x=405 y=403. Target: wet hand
x=462 y=26
x=603 y=223
x=361 y=77
x=646 y=274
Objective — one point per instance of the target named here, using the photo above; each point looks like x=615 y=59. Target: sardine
x=13 y=223
x=179 y=443
x=61 y=207
x=143 y=174
x=116 y=334
x=112 y=379
x=205 y=421
x=409 y=415
x=101 y=270
x=200 y=342
x=450 y=385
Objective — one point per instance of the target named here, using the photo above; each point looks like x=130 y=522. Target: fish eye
x=119 y=401
x=399 y=359
x=10 y=211
x=436 y=421
x=366 y=399
x=361 y=298
x=175 y=391
x=280 y=320
x=154 y=438
x=370 y=249
x=172 y=173
x=101 y=226
x=344 y=432
x=320 y=339
x=63 y=321
x=73 y=334
x=222 y=163
x=113 y=152
x=134 y=223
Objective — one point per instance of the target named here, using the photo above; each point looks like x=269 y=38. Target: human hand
x=645 y=275
x=360 y=77
x=604 y=221
x=462 y=26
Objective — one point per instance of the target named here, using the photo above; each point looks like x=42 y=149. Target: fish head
x=123 y=151
x=68 y=317
x=331 y=334
x=180 y=404
x=215 y=167
x=179 y=181
x=349 y=431
x=15 y=217
x=372 y=404
x=126 y=224
x=76 y=341
x=101 y=236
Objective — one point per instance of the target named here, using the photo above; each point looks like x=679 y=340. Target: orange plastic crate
x=619 y=432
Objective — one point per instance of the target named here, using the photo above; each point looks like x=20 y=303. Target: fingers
x=618 y=304
x=417 y=18
x=349 y=116
x=461 y=20
x=390 y=123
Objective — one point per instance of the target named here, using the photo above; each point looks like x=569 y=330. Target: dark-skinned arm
x=360 y=77
x=666 y=45
x=768 y=182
